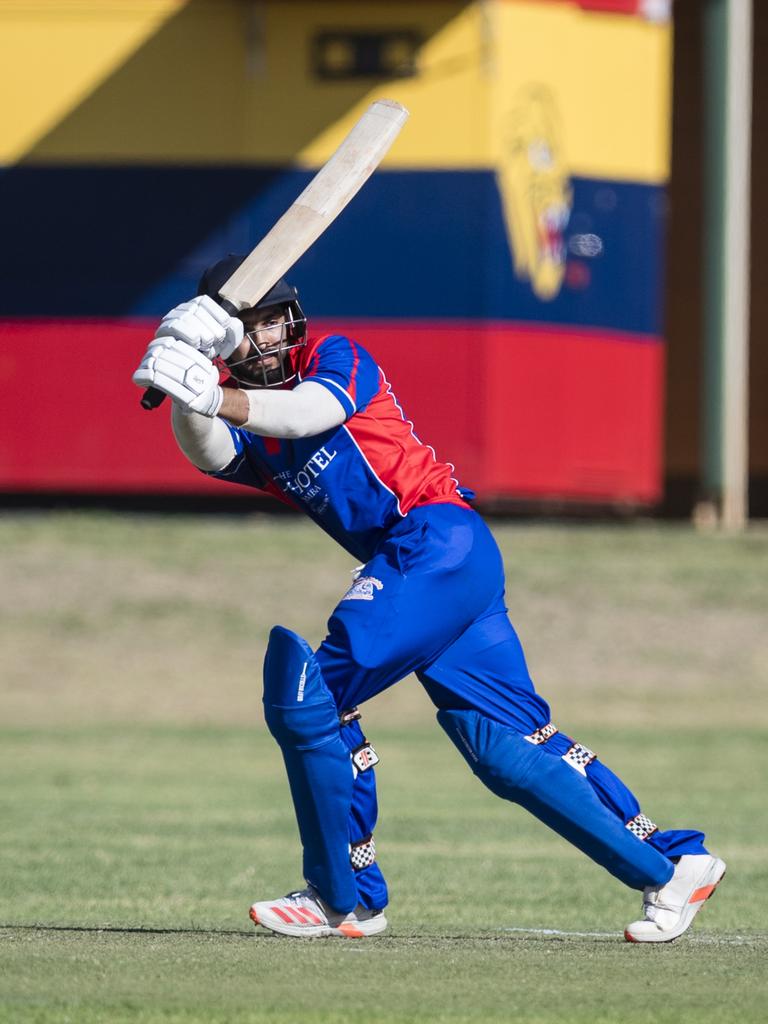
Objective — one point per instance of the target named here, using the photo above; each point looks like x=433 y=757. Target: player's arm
x=192 y=381
x=340 y=380
x=307 y=410
x=206 y=442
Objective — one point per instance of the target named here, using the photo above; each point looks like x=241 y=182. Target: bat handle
x=153 y=397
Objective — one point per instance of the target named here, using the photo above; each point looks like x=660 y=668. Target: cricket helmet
x=251 y=371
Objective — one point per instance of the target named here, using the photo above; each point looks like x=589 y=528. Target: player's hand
x=183 y=373
x=204 y=325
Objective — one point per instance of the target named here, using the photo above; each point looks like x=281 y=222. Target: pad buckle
x=578 y=756
x=364 y=757
x=546 y=732
x=362 y=853
x=642 y=826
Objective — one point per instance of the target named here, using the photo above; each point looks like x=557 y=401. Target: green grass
x=143 y=805
x=131 y=855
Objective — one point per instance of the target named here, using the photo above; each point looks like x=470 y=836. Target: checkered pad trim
x=362 y=854
x=642 y=826
x=546 y=732
x=578 y=756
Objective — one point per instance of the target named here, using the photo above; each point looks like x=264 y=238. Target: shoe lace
x=310 y=896
x=651 y=903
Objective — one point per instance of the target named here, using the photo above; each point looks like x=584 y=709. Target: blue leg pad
x=556 y=794
x=302 y=716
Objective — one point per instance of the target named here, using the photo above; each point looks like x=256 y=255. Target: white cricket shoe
x=305 y=915
x=668 y=910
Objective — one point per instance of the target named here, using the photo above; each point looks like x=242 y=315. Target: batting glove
x=183 y=373
x=204 y=325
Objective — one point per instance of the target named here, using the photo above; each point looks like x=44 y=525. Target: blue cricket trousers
x=431 y=601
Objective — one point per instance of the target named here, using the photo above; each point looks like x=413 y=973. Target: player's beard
x=275 y=374
x=263 y=371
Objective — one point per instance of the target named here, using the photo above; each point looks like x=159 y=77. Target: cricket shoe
x=668 y=910
x=304 y=915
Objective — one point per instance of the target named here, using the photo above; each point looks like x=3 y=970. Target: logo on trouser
x=363 y=589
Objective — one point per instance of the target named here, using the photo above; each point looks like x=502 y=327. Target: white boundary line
x=704 y=939
x=570 y=935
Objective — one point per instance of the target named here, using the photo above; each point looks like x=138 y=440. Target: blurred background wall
x=508 y=263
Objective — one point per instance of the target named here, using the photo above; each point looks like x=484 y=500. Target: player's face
x=258 y=360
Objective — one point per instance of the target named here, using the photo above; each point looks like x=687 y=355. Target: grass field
x=143 y=804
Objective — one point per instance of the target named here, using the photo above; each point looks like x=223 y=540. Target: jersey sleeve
x=244 y=469
x=345 y=368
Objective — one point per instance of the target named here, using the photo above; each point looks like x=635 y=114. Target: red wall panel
x=73 y=420
x=531 y=412
x=521 y=411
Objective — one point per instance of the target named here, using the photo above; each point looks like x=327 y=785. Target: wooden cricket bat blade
x=331 y=189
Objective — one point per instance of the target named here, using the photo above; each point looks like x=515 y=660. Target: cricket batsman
x=315 y=423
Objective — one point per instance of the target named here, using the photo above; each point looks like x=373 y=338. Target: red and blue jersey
x=357 y=480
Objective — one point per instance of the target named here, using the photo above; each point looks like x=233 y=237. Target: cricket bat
x=334 y=185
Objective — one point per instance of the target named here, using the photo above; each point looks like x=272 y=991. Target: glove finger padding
x=188 y=376
x=202 y=324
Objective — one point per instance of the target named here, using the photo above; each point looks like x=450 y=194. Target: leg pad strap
x=362 y=854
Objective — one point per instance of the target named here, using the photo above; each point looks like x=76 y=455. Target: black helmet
x=250 y=371
x=215 y=276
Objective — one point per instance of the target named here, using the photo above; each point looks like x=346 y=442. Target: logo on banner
x=536 y=192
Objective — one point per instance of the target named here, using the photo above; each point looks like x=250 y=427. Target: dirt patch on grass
x=151 y=619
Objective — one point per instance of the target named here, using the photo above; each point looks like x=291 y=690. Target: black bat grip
x=153 y=397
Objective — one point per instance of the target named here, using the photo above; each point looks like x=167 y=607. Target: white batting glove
x=183 y=373
x=204 y=325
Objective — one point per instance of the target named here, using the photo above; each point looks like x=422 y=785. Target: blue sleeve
x=345 y=368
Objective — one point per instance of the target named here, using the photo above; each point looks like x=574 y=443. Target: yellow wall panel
x=54 y=53
x=609 y=79
x=228 y=81
x=448 y=99
x=218 y=81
